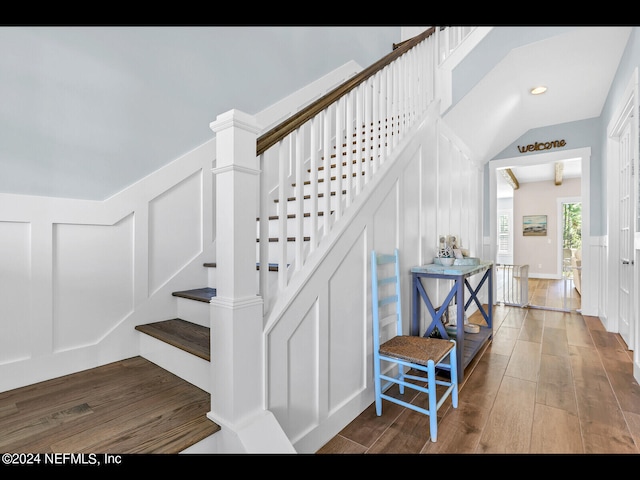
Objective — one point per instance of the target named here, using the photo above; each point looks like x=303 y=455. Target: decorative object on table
x=450 y=252
x=446 y=261
x=452 y=330
x=444 y=249
x=467 y=261
x=471 y=328
x=452 y=315
x=451 y=324
x=447 y=246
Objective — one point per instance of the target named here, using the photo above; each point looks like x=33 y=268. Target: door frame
x=589 y=288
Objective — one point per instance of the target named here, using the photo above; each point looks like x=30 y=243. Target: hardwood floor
x=550 y=382
x=131 y=406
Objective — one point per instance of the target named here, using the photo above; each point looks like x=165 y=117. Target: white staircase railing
x=328 y=159
x=449 y=38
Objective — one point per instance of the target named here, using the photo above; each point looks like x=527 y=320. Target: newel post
x=236 y=310
x=237 y=356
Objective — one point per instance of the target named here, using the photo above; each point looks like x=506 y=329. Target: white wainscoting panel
x=92 y=281
x=293 y=374
x=385 y=222
x=347 y=322
x=15 y=279
x=175 y=229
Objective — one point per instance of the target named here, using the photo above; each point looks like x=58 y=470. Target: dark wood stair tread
x=199 y=294
x=291 y=215
x=308 y=197
x=273 y=267
x=190 y=337
x=289 y=239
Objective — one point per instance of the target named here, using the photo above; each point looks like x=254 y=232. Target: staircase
x=181 y=345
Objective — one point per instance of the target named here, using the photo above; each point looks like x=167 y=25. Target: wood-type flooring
x=126 y=407
x=550 y=382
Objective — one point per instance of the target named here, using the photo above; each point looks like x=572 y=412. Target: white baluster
x=313 y=186
x=298 y=194
x=339 y=136
x=326 y=151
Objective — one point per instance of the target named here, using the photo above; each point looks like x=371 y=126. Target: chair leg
x=377 y=384
x=433 y=410
x=453 y=362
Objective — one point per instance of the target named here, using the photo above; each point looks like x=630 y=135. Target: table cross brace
x=436 y=315
x=474 y=295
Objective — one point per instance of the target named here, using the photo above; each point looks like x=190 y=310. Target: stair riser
x=292 y=207
x=292 y=225
x=274 y=251
x=211 y=277
x=191 y=368
x=194 y=311
x=334 y=182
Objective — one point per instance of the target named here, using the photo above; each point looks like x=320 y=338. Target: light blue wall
x=629 y=62
x=88 y=111
x=585 y=133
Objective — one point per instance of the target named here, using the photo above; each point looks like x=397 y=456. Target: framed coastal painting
x=534 y=225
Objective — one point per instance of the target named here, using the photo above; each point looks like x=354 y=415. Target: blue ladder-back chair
x=395 y=354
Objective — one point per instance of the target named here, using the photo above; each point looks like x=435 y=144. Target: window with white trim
x=504 y=233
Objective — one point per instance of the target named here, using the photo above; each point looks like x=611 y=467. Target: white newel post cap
x=236 y=134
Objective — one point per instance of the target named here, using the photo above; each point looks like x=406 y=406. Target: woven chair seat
x=416 y=349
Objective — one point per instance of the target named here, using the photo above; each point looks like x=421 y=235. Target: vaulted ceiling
x=495 y=107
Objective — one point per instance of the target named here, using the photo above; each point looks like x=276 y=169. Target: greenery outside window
x=572 y=226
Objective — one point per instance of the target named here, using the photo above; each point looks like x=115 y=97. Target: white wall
x=77 y=276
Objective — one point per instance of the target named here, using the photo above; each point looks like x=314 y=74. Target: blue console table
x=470 y=343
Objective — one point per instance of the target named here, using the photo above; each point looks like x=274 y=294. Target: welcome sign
x=536 y=147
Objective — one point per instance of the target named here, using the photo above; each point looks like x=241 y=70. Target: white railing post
x=237 y=356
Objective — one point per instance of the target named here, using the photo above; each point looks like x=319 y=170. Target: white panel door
x=626 y=234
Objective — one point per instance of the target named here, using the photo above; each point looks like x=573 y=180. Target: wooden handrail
x=283 y=129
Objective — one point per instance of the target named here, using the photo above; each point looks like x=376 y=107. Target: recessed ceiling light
x=538 y=90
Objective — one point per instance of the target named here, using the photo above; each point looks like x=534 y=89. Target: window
x=504 y=233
